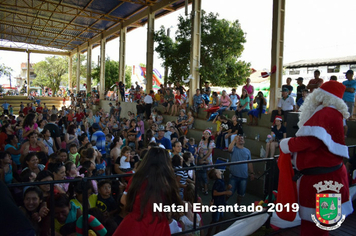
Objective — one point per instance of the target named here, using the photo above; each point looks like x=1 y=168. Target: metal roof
x=322 y=62
x=72 y=24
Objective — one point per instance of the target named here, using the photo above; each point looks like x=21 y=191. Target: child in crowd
x=192 y=147
x=125 y=159
x=140 y=109
x=219 y=193
x=100 y=166
x=153 y=118
x=105 y=202
x=173 y=224
x=74 y=156
x=63 y=155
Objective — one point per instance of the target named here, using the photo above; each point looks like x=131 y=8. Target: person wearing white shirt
x=148 y=104
x=285 y=105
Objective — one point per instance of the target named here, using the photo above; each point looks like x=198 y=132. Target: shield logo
x=328 y=208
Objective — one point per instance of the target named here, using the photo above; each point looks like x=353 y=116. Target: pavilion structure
x=68 y=28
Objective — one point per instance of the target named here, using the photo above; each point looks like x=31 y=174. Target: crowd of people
x=43 y=144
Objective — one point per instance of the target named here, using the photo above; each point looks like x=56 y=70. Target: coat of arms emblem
x=328 y=206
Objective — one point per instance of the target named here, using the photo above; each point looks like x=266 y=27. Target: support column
x=277 y=52
x=78 y=71
x=89 y=70
x=28 y=73
x=102 y=68
x=122 y=57
x=195 y=49
x=70 y=69
x=149 y=57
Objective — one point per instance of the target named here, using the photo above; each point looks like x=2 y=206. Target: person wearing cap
x=316 y=82
x=225 y=102
x=285 y=105
x=317 y=152
x=349 y=95
x=234 y=100
x=278 y=132
x=163 y=140
x=301 y=100
x=100 y=138
x=300 y=88
x=288 y=86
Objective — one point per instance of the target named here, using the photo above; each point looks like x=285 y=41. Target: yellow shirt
x=157 y=97
x=218 y=124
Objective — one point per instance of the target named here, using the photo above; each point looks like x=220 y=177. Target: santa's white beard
x=320 y=97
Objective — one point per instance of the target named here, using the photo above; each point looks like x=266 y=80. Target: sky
x=313 y=29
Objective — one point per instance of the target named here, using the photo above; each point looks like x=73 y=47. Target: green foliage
x=4 y=70
x=111 y=74
x=221 y=46
x=51 y=72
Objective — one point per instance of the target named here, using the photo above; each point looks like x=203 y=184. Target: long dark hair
x=242 y=94
x=156 y=174
x=260 y=106
x=28 y=121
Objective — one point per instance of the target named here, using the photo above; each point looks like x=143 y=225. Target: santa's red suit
x=319 y=142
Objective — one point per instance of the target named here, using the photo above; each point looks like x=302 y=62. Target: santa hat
x=277 y=118
x=333 y=88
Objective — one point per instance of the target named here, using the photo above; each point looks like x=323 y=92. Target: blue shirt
x=100 y=139
x=300 y=101
x=6 y=106
x=234 y=99
x=165 y=142
x=197 y=99
x=97 y=119
x=349 y=97
x=240 y=154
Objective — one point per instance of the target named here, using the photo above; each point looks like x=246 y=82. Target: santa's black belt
x=315 y=171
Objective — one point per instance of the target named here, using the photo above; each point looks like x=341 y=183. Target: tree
x=111 y=74
x=51 y=72
x=5 y=70
x=221 y=46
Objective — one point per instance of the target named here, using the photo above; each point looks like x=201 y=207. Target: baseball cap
x=285 y=90
x=300 y=78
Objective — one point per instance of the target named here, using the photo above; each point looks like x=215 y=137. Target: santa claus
x=317 y=152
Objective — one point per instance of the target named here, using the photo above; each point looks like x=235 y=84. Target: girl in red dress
x=154 y=182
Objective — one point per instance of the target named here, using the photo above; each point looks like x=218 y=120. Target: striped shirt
x=100 y=139
x=183 y=174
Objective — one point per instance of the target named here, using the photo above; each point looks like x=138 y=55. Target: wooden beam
x=34 y=51
x=277 y=52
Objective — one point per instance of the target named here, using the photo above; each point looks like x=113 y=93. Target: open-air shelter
x=68 y=27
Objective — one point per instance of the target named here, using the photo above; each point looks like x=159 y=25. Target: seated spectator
x=162 y=140
x=213 y=103
x=261 y=108
x=64 y=211
x=225 y=102
x=197 y=102
x=243 y=104
x=168 y=100
x=300 y=88
x=285 y=105
x=225 y=127
x=178 y=100
x=235 y=129
x=234 y=100
x=174 y=134
x=301 y=100
x=278 y=132
x=181 y=119
x=188 y=124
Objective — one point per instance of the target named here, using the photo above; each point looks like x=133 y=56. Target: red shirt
x=39 y=109
x=79 y=116
x=26 y=110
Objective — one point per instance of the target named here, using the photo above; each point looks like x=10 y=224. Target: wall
x=125 y=107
